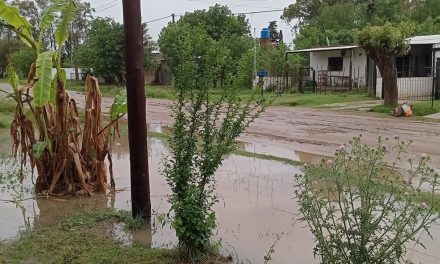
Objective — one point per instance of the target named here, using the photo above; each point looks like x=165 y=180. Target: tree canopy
x=215 y=35
x=339 y=21
x=102 y=51
x=383 y=44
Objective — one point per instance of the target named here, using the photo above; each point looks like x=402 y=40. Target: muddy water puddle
x=256 y=208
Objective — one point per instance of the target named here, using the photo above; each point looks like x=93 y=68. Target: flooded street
x=256 y=207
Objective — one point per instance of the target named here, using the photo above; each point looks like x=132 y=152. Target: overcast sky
x=152 y=10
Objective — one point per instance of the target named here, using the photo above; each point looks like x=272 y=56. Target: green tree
x=79 y=29
x=218 y=21
x=103 y=50
x=425 y=9
x=275 y=35
x=431 y=26
x=383 y=44
x=23 y=59
x=340 y=20
x=225 y=36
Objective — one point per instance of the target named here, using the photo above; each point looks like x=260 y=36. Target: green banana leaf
x=67 y=16
x=11 y=16
x=43 y=88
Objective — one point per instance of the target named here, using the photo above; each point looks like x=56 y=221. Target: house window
x=335 y=63
x=402 y=66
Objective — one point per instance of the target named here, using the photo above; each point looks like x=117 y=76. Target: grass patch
x=106 y=90
x=319 y=100
x=80 y=239
x=160 y=92
x=286 y=99
x=158 y=135
x=419 y=108
x=7 y=110
x=267 y=157
x=87 y=219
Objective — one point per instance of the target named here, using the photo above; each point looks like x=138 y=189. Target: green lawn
x=419 y=108
x=316 y=100
x=84 y=238
x=287 y=99
x=7 y=108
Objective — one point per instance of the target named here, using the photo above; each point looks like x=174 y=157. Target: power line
x=244 y=13
x=108 y=7
x=259 y=12
x=158 y=19
x=108 y=3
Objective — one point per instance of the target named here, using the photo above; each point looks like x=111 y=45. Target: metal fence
x=424 y=88
x=316 y=80
x=320 y=80
x=345 y=80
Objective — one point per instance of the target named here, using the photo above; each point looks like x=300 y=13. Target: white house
x=346 y=66
x=415 y=70
x=340 y=66
x=70 y=73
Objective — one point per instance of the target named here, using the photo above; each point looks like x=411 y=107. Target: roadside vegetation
x=285 y=99
x=7 y=109
x=361 y=211
x=205 y=130
x=85 y=237
x=420 y=109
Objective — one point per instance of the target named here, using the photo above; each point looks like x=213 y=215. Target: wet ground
x=256 y=207
x=287 y=131
x=319 y=131
x=256 y=196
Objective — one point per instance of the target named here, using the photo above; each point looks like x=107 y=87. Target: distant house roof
x=324 y=49
x=420 y=40
x=417 y=40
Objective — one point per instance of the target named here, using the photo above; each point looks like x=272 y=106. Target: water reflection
x=256 y=208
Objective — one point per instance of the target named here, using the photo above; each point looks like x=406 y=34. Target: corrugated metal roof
x=323 y=49
x=421 y=40
x=417 y=40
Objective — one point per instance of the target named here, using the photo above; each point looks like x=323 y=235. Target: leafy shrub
x=361 y=210
x=204 y=131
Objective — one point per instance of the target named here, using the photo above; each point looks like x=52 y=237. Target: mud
x=317 y=131
x=256 y=207
x=321 y=131
x=256 y=196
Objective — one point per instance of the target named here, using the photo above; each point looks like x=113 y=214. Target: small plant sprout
x=362 y=210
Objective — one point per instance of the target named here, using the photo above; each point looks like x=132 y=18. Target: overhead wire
x=108 y=7
x=241 y=13
x=158 y=19
x=105 y=5
x=259 y=12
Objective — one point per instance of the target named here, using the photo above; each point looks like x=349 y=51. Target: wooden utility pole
x=137 y=127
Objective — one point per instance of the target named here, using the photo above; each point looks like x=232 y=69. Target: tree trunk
x=387 y=68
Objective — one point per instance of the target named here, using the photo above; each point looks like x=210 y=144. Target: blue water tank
x=265 y=33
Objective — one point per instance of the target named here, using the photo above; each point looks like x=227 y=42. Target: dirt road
x=306 y=133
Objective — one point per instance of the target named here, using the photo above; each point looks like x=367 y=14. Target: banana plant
x=51 y=138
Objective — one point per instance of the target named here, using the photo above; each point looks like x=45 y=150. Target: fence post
x=437 y=79
x=314 y=81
